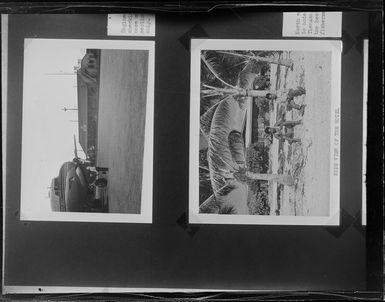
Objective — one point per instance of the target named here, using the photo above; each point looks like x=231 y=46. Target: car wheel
x=97 y=204
x=101 y=182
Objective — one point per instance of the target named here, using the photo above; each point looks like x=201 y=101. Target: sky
x=47 y=135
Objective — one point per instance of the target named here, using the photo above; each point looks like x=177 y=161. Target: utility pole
x=61 y=73
x=69 y=109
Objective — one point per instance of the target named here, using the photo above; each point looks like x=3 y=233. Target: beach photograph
x=264 y=135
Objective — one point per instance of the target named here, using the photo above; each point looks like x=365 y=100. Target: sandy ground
x=122 y=107
x=307 y=161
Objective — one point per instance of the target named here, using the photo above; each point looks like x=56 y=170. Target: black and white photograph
x=87 y=130
x=265 y=132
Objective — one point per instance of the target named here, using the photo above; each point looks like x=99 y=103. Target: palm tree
x=222 y=124
x=252 y=56
x=244 y=87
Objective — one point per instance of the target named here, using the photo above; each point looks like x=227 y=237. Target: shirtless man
x=291 y=94
x=284 y=130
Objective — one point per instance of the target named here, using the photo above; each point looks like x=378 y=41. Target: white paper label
x=131 y=25
x=312 y=24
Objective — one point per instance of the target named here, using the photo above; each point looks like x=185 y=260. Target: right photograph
x=265 y=132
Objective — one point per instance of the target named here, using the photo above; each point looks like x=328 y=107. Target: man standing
x=289 y=100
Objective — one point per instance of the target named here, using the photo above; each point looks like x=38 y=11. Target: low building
x=88 y=99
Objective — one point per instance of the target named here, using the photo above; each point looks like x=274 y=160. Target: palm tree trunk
x=279 y=178
x=241 y=91
x=284 y=62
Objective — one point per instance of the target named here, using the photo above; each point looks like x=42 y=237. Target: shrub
x=257 y=158
x=259 y=203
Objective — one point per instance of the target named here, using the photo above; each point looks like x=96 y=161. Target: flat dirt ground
x=307 y=161
x=122 y=114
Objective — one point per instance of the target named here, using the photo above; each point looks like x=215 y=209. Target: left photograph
x=87 y=130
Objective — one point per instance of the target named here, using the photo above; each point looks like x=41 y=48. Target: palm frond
x=227 y=209
x=212 y=69
x=229 y=59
